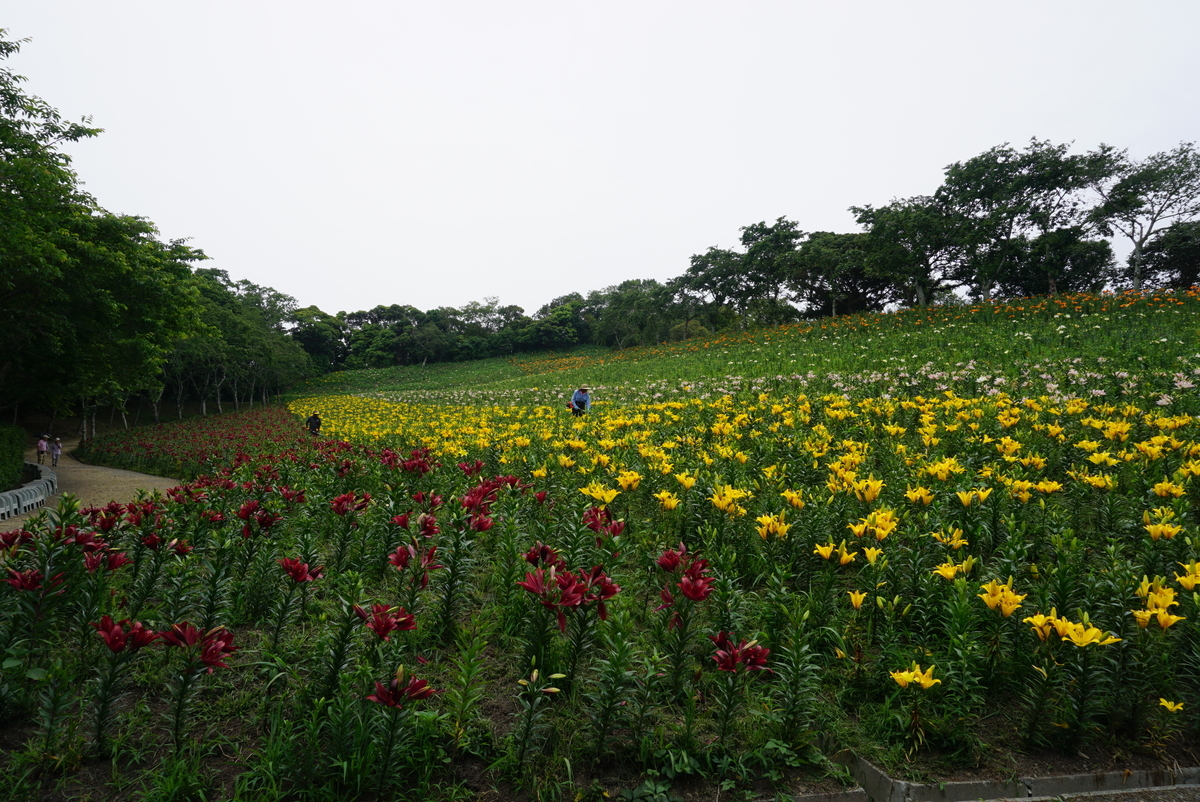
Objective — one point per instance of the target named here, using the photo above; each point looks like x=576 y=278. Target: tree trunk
x=154 y=403
x=920 y=293
x=1135 y=265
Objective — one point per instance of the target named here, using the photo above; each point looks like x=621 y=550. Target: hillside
x=950 y=539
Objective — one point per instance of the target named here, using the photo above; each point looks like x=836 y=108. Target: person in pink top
x=43 y=445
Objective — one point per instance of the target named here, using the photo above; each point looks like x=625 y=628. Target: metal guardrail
x=31 y=495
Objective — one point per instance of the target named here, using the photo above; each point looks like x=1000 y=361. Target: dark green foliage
x=12 y=456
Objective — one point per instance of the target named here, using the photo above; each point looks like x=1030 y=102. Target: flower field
x=931 y=535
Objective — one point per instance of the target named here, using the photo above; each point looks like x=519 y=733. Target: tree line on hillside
x=100 y=311
x=1008 y=222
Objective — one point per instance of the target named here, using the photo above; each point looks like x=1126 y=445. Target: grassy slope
x=856 y=355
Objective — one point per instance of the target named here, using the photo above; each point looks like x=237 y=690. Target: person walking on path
x=43 y=445
x=55 y=452
x=581 y=402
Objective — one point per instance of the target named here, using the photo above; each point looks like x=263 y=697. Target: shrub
x=12 y=456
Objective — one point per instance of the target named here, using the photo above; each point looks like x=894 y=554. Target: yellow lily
x=667 y=500
x=919 y=495
x=794 y=497
x=946 y=571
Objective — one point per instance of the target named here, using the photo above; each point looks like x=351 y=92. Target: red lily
x=427 y=525
x=746 y=654
x=471 y=468
x=30 y=579
x=117 y=639
x=299 y=572
x=547 y=555
x=17 y=537
x=398 y=692
x=671 y=559
x=346 y=503
x=696 y=588
x=292 y=496
x=213 y=517
x=382 y=621
x=218 y=644
x=401 y=556
x=182 y=635
x=248 y=509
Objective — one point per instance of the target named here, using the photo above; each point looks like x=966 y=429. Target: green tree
x=634 y=312
x=92 y=302
x=321 y=335
x=911 y=243
x=715 y=280
x=767 y=266
x=832 y=276
x=687 y=305
x=1140 y=199
x=39 y=198
x=1002 y=198
x=1063 y=260
x=1172 y=259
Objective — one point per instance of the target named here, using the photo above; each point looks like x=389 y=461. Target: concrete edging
x=876 y=786
x=31 y=495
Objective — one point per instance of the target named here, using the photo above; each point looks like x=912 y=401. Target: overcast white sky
x=436 y=153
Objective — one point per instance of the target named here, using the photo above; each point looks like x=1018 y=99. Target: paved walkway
x=93 y=485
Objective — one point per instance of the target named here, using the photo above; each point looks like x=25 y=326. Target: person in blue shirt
x=581 y=402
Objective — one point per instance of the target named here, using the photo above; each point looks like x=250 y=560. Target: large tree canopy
x=92 y=302
x=1140 y=199
x=1003 y=198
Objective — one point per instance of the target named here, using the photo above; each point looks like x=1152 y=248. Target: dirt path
x=93 y=485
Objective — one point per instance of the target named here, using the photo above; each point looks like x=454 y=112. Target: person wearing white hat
x=581 y=402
